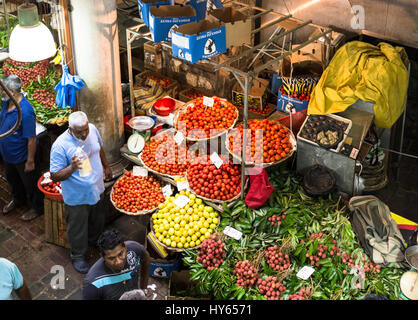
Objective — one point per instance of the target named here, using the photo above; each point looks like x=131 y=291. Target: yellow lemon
x=172 y=224
x=190 y=211
x=192 y=244
x=206 y=224
x=209 y=209
x=194 y=237
x=209 y=220
x=192 y=196
x=183 y=239
x=165 y=232
x=182 y=192
x=203 y=230
x=197 y=242
x=207 y=234
x=173 y=244
x=199 y=201
x=179 y=245
x=188 y=238
x=212 y=226
x=177 y=233
x=186 y=245
x=195 y=206
x=184 y=233
x=186 y=207
x=196 y=228
x=161 y=238
x=198 y=234
x=173 y=238
x=154 y=216
x=177 y=239
x=202 y=238
x=191 y=231
x=189 y=194
x=161 y=206
x=191 y=203
x=215 y=220
x=182 y=211
x=183 y=223
x=176 y=226
x=171 y=231
x=196 y=217
x=167 y=242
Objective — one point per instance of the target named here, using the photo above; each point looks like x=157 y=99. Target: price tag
x=305 y=272
x=182 y=185
x=139 y=171
x=233 y=233
x=216 y=160
x=181 y=201
x=354 y=153
x=179 y=137
x=208 y=101
x=167 y=191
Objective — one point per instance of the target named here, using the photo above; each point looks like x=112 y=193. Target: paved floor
x=24 y=244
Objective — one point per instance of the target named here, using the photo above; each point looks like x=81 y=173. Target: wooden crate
x=172 y=90
x=55 y=225
x=183 y=93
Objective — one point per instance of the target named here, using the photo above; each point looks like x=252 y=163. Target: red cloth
x=260 y=188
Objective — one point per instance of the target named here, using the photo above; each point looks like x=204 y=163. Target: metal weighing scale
x=141 y=126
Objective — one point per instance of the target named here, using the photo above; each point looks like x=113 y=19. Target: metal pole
x=131 y=86
x=6 y=16
x=244 y=136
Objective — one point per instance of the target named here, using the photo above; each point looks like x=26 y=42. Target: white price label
x=233 y=233
x=167 y=191
x=179 y=137
x=181 y=201
x=216 y=160
x=138 y=171
x=207 y=101
x=182 y=185
x=305 y=272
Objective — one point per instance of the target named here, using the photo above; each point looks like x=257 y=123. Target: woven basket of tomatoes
x=214 y=184
x=51 y=189
x=163 y=156
x=137 y=195
x=278 y=143
x=183 y=227
x=195 y=119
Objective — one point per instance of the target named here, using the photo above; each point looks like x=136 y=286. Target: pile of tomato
x=132 y=193
x=165 y=156
x=221 y=116
x=274 y=146
x=208 y=181
x=194 y=95
x=299 y=96
x=52 y=187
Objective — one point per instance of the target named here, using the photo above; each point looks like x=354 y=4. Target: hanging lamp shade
x=30 y=40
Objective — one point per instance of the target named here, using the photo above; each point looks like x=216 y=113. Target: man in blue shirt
x=11 y=280
x=124 y=267
x=82 y=191
x=18 y=151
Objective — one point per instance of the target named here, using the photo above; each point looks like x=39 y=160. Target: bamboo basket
x=292 y=140
x=183 y=109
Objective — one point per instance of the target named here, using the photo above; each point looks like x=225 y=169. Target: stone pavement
x=24 y=244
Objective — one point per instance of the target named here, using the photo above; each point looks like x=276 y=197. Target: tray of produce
x=213 y=121
x=137 y=195
x=52 y=190
x=183 y=222
x=327 y=131
x=278 y=143
x=214 y=184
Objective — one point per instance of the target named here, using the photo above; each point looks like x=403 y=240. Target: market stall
x=298 y=243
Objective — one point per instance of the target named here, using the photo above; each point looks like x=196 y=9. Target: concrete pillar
x=95 y=42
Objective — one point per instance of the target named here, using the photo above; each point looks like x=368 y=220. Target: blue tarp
x=67 y=88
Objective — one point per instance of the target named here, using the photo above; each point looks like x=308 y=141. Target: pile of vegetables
x=4 y=35
x=314 y=232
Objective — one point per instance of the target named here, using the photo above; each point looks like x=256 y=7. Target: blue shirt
x=78 y=190
x=10 y=279
x=101 y=283
x=14 y=148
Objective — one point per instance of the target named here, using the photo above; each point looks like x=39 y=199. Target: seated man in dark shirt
x=117 y=271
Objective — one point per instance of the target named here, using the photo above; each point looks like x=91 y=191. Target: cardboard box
x=164 y=18
x=183 y=93
x=199 y=5
x=257 y=96
x=237 y=25
x=181 y=287
x=198 y=40
x=314 y=51
x=290 y=105
x=160 y=267
x=145 y=5
x=153 y=56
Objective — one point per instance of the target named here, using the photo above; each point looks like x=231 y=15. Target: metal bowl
x=141 y=123
x=411 y=256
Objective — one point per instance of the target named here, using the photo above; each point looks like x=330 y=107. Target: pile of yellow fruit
x=185 y=227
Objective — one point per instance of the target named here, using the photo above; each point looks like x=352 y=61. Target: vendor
x=117 y=272
x=82 y=194
x=18 y=151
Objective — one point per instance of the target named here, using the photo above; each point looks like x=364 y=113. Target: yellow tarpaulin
x=363 y=71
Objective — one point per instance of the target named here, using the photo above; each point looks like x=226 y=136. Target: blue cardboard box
x=145 y=5
x=290 y=105
x=276 y=83
x=160 y=268
x=164 y=18
x=198 y=40
x=200 y=7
